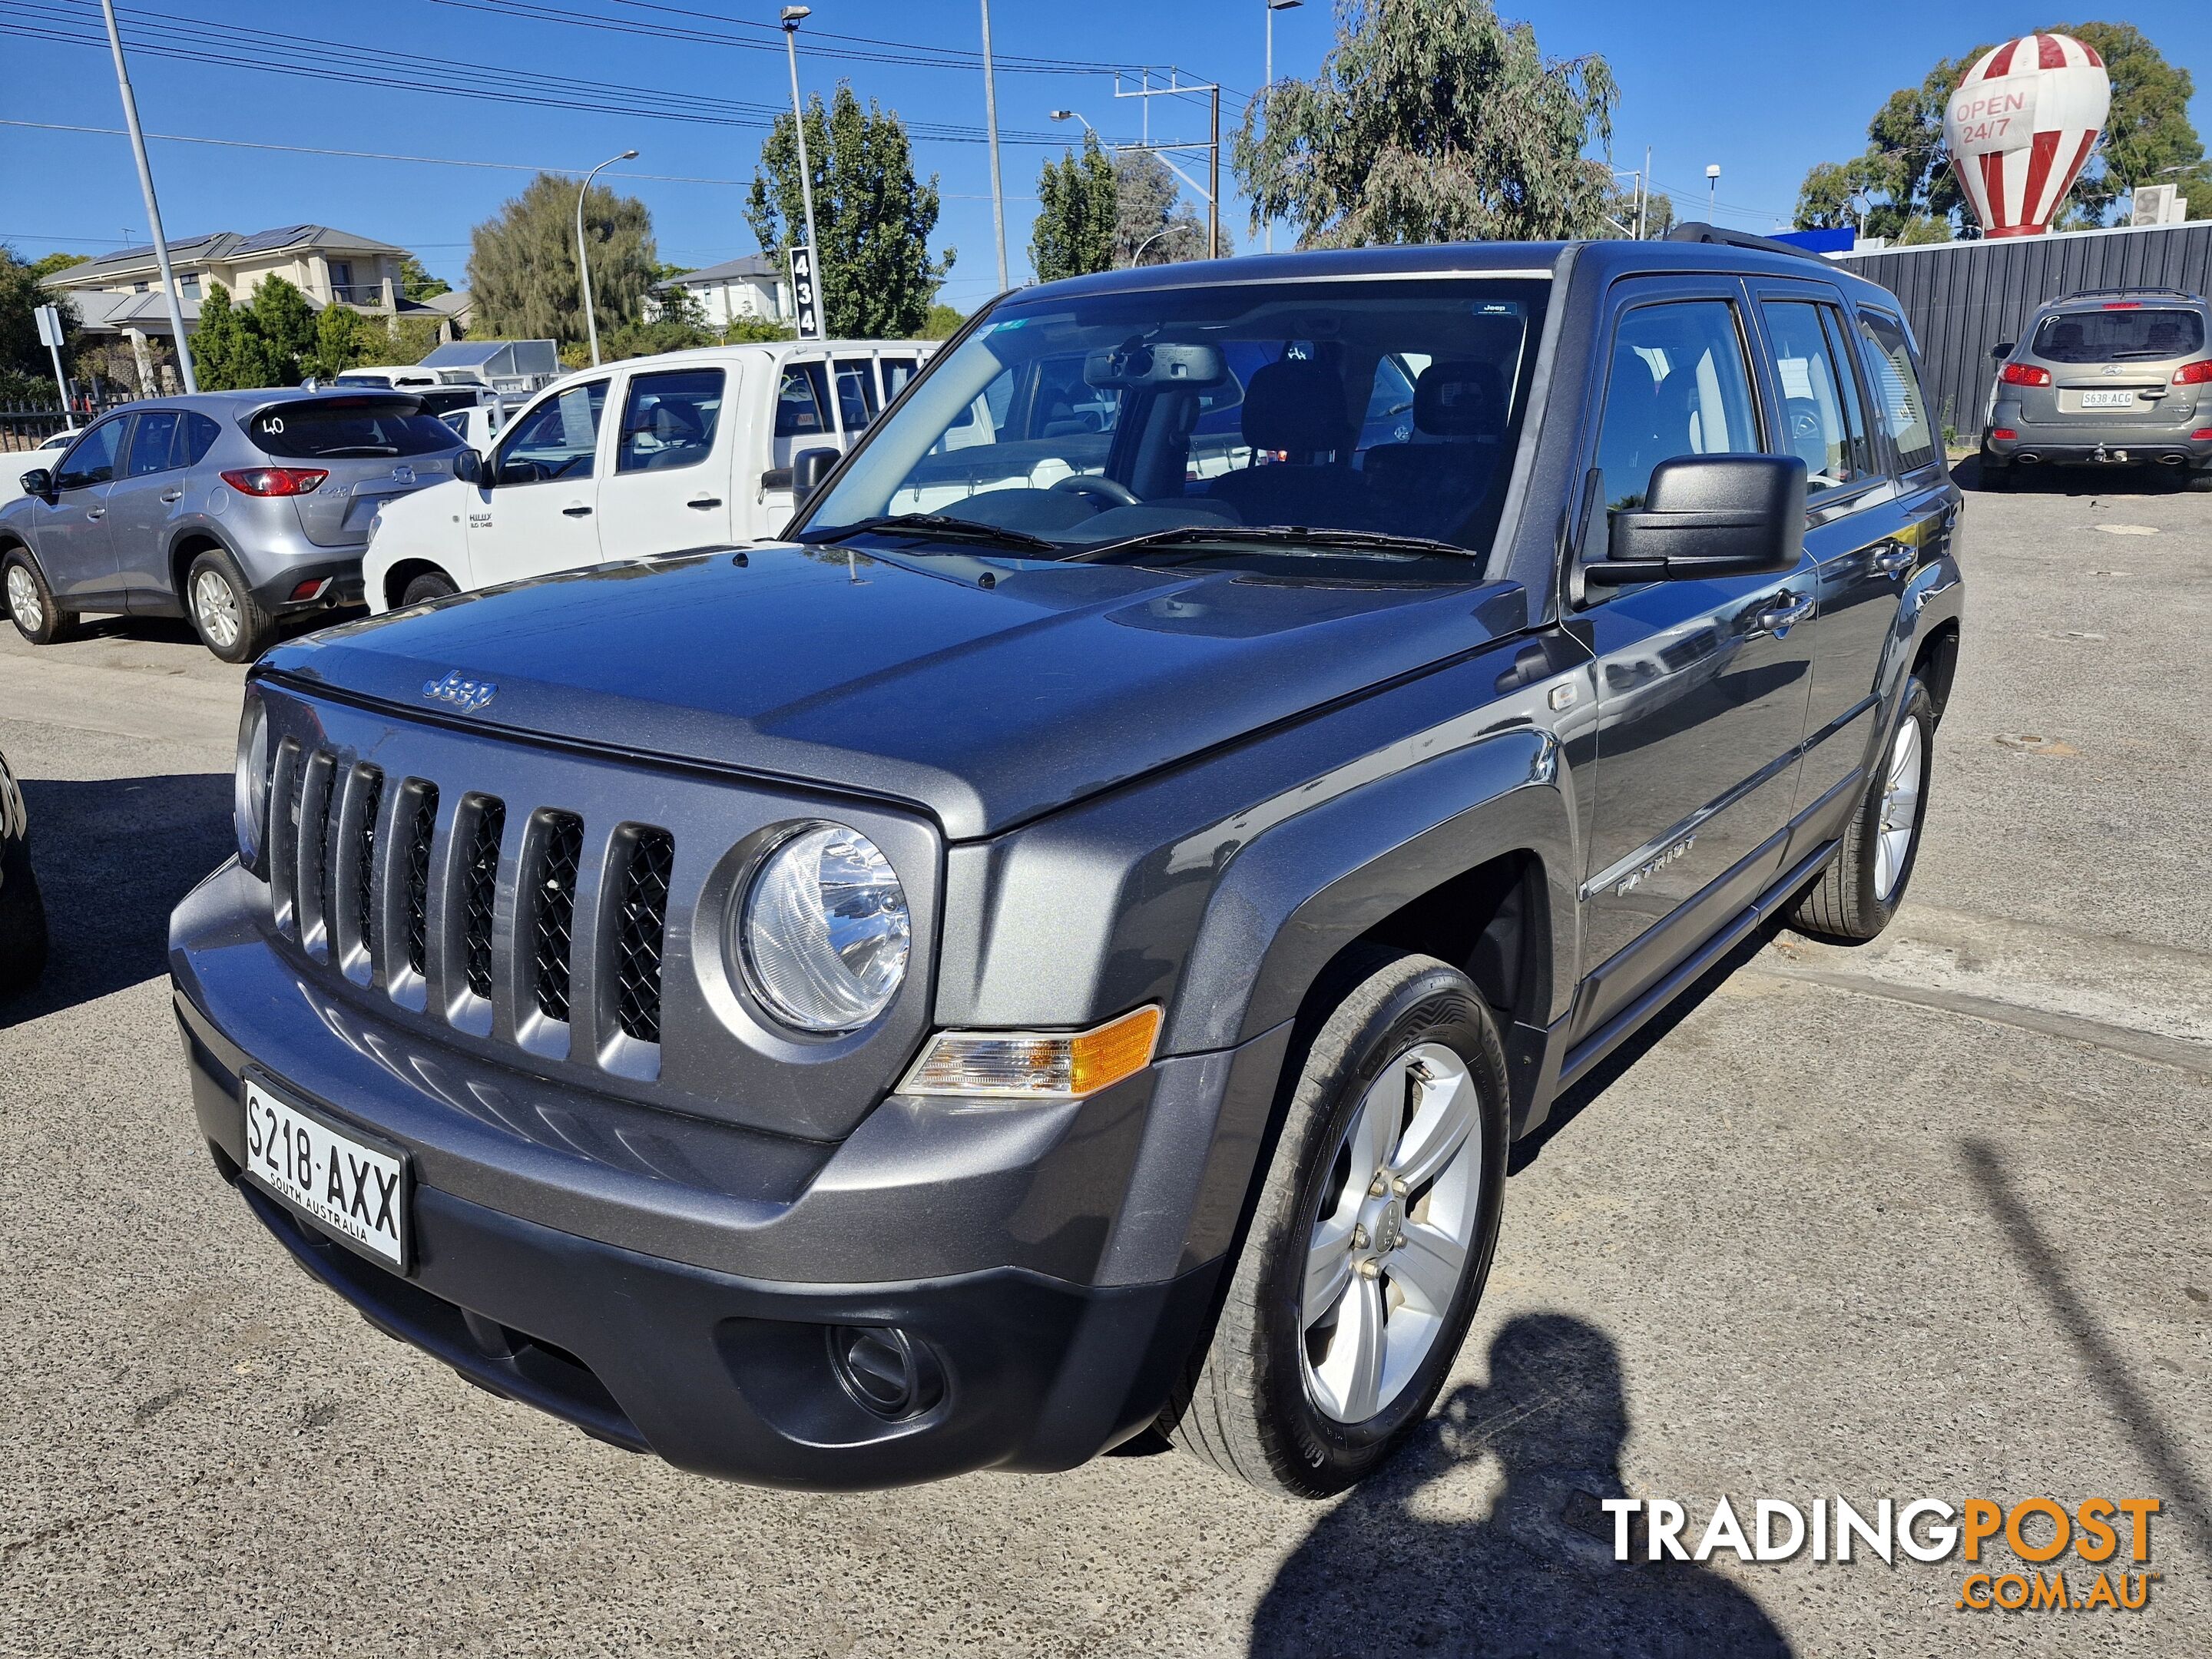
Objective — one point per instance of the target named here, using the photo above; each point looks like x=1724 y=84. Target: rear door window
x=1819 y=402
x=345 y=428
x=93 y=459
x=898 y=370
x=152 y=443
x=2123 y=331
x=1898 y=402
x=558 y=440
x=669 y=420
x=856 y=393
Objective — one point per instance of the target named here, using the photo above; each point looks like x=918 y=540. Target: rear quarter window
x=341 y=430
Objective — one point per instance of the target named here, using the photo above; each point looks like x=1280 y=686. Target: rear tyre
x=1860 y=890
x=1370 y=1243
x=22 y=921
x=229 y=619
x=430 y=584
x=30 y=602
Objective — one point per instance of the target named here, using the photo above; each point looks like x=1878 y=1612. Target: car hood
x=985 y=692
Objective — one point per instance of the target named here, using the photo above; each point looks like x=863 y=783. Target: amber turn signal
x=1035 y=1064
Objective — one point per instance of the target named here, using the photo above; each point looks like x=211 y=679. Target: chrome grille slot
x=641 y=932
x=311 y=825
x=281 y=837
x=369 y=781
x=423 y=824
x=552 y=888
x=479 y=895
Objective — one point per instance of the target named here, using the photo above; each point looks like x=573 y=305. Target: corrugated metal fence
x=1966 y=297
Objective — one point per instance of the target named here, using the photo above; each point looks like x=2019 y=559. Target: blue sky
x=1762 y=89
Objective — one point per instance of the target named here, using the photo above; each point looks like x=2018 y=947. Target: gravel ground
x=1928 y=1218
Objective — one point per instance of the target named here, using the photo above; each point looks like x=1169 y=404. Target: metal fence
x=26 y=426
x=1966 y=297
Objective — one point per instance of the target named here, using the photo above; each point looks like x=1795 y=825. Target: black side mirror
x=808 y=468
x=468 y=466
x=2002 y=351
x=39 y=482
x=1709 y=515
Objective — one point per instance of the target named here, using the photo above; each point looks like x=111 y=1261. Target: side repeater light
x=1035 y=1064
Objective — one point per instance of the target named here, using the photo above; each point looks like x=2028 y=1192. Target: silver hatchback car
x=2105 y=377
x=235 y=509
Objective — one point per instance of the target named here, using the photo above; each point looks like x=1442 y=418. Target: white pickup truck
x=652 y=455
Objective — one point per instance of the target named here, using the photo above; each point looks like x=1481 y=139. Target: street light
x=1075 y=115
x=1712 y=190
x=583 y=258
x=1273 y=6
x=793 y=17
x=1168 y=230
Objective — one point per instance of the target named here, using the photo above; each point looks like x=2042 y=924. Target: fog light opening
x=888 y=1373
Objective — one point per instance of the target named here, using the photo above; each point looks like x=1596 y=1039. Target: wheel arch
x=187 y=544
x=403 y=571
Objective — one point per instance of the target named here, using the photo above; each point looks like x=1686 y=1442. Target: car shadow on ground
x=2075 y=480
x=1387 y=1570
x=112 y=857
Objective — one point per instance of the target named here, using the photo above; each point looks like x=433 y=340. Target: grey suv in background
x=233 y=508
x=2105 y=377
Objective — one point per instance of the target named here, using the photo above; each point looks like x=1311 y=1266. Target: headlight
x=249 y=795
x=824 y=932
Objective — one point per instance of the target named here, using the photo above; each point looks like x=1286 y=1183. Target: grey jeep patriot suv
x=1061 y=947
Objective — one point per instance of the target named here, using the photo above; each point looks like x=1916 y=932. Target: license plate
x=2108 y=400
x=328 y=1175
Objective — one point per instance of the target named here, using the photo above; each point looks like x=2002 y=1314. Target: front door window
x=556 y=440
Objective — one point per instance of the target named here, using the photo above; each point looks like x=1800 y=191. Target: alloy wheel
x=216 y=608
x=23 y=602
x=1901 y=810
x=1399 y=1201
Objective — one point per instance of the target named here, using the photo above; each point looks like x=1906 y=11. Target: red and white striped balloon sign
x=2020 y=125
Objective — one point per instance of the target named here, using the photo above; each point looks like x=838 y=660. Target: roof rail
x=2099 y=293
x=1695 y=230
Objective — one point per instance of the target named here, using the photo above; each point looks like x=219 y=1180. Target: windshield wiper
x=941 y=525
x=1277 y=535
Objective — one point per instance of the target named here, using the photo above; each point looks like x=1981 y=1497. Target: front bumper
x=671 y=1285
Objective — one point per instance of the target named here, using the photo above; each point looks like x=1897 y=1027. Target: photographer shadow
x=1384 y=1571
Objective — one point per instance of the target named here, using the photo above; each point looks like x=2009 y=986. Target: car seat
x=1297 y=406
x=1428 y=488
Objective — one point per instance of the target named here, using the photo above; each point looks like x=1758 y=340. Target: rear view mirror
x=2002 y=351
x=1709 y=515
x=808 y=468
x=39 y=482
x=1134 y=363
x=468 y=466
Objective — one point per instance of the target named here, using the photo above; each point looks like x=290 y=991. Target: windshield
x=2119 y=333
x=1382 y=409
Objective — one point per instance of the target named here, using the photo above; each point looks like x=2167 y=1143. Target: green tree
x=874 y=218
x=227 y=350
x=343 y=338
x=760 y=331
x=1904 y=177
x=943 y=322
x=51 y=263
x=522 y=263
x=644 y=339
x=1430 y=120
x=416 y=282
x=20 y=352
x=1153 y=224
x=287 y=325
x=1078 y=205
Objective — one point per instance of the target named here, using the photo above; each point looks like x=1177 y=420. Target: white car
x=14 y=463
x=478 y=423
x=662 y=454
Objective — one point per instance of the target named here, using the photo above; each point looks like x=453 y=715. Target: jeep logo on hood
x=466 y=695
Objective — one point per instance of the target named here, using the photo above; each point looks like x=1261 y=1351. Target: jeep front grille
x=553 y=910
x=639 y=935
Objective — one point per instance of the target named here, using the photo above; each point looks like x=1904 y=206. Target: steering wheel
x=1107 y=492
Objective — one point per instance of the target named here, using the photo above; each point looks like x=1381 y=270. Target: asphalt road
x=1928 y=1218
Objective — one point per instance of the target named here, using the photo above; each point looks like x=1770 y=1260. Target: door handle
x=705 y=503
x=1779 y=618
x=172 y=495
x=95 y=513
x=1895 y=558
x=576 y=512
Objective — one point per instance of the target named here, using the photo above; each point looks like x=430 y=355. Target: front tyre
x=1860 y=890
x=229 y=619
x=429 y=585
x=1370 y=1243
x=30 y=602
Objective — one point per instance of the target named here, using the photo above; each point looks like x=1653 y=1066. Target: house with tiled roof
x=328 y=266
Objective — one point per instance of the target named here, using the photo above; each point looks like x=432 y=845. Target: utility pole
x=793 y=17
x=583 y=253
x=1644 y=198
x=1213 y=184
x=1175 y=88
x=991 y=121
x=1273 y=6
x=152 y=206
